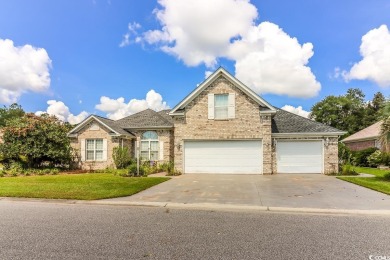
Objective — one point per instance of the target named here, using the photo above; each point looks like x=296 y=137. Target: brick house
x=220 y=127
x=365 y=138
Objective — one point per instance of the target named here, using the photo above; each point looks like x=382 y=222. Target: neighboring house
x=220 y=127
x=365 y=138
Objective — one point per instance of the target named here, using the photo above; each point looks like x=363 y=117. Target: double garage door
x=246 y=157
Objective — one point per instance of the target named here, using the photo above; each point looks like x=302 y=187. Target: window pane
x=154 y=145
x=153 y=156
x=90 y=155
x=221 y=100
x=150 y=135
x=90 y=144
x=221 y=112
x=144 y=145
x=144 y=155
x=99 y=144
x=99 y=155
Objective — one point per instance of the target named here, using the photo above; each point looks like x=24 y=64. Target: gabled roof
x=371 y=132
x=284 y=122
x=110 y=124
x=210 y=80
x=146 y=119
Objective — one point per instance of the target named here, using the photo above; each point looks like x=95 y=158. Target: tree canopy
x=8 y=113
x=36 y=139
x=349 y=112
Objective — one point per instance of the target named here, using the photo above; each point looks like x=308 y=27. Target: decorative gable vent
x=94 y=127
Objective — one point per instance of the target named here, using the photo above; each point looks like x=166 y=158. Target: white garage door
x=299 y=156
x=230 y=157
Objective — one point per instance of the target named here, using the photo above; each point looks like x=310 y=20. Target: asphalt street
x=36 y=230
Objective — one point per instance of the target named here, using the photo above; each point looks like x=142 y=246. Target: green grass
x=377 y=183
x=75 y=186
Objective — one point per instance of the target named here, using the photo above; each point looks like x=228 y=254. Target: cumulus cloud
x=207 y=74
x=22 y=68
x=297 y=110
x=118 y=108
x=375 y=64
x=198 y=31
x=61 y=111
x=266 y=58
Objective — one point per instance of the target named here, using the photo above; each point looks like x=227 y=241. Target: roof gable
x=210 y=80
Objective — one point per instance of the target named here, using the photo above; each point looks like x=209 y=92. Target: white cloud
x=61 y=111
x=131 y=30
x=117 y=108
x=22 y=68
x=198 y=31
x=266 y=58
x=296 y=110
x=207 y=73
x=375 y=65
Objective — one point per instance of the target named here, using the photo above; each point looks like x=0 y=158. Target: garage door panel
x=223 y=157
x=299 y=156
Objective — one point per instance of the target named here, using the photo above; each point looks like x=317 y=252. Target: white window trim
x=225 y=106
x=94 y=149
x=149 y=141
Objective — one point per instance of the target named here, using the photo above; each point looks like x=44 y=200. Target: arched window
x=149 y=146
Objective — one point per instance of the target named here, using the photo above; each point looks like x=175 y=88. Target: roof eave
x=308 y=134
x=360 y=139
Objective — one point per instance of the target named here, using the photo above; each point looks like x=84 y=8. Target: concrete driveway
x=282 y=190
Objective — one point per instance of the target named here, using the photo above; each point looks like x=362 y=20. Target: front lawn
x=378 y=183
x=75 y=186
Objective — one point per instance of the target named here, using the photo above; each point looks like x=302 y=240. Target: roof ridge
x=165 y=120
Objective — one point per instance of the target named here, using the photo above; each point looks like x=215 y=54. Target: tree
x=385 y=128
x=349 y=112
x=38 y=139
x=8 y=113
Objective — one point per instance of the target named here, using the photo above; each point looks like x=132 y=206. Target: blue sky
x=77 y=57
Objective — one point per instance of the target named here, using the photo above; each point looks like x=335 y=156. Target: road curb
x=202 y=206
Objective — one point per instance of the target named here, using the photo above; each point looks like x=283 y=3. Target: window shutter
x=232 y=105
x=161 y=151
x=82 y=150
x=211 y=106
x=104 y=150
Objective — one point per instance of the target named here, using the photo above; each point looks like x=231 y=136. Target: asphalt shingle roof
x=286 y=122
x=113 y=125
x=145 y=119
x=372 y=131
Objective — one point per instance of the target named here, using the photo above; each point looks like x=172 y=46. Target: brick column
x=265 y=121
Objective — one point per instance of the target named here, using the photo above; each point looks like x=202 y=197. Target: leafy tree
x=385 y=128
x=36 y=139
x=8 y=113
x=349 y=112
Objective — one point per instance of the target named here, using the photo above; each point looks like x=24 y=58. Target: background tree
x=38 y=139
x=385 y=128
x=8 y=113
x=349 y=112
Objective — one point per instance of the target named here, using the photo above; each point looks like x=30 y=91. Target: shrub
x=54 y=171
x=15 y=168
x=345 y=154
x=347 y=169
x=375 y=159
x=133 y=170
x=359 y=158
x=121 y=157
x=386 y=176
x=385 y=158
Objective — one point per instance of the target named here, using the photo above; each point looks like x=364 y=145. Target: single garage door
x=299 y=156
x=229 y=157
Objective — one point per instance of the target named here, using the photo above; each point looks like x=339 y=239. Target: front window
x=221 y=106
x=149 y=146
x=94 y=149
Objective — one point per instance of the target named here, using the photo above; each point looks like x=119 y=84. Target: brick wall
x=360 y=145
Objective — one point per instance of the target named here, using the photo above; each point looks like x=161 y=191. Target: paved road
x=280 y=190
x=31 y=230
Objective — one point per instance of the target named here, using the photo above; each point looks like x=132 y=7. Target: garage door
x=299 y=156
x=230 y=157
